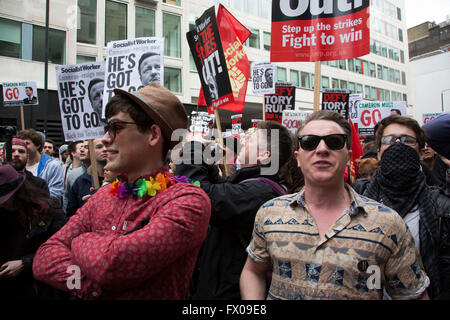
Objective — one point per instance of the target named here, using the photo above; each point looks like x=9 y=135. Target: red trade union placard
x=319 y=30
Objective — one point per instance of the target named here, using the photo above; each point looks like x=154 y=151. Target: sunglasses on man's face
x=310 y=142
x=115 y=125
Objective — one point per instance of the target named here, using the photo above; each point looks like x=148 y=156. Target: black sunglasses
x=114 y=125
x=310 y=142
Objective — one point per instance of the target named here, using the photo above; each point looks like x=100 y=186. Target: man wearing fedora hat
x=139 y=237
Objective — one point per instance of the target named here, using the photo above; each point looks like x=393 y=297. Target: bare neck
x=329 y=197
x=152 y=165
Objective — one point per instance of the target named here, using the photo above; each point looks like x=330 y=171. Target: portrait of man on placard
x=150 y=68
x=213 y=88
x=269 y=77
x=95 y=92
x=30 y=99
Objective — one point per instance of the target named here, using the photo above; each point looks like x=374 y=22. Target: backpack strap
x=275 y=186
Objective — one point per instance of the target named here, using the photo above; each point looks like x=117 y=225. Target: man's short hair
x=50 y=141
x=73 y=147
x=30 y=88
x=397 y=111
x=33 y=136
x=330 y=116
x=93 y=83
x=285 y=142
x=145 y=56
x=404 y=121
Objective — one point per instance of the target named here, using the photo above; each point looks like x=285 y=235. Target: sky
x=419 y=11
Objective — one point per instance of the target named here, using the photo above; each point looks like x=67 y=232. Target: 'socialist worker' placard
x=263 y=77
x=132 y=64
x=80 y=95
x=282 y=99
x=313 y=30
x=20 y=93
x=206 y=48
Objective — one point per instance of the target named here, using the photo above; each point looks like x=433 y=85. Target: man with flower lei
x=139 y=237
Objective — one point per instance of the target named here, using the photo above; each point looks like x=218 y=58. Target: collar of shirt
x=357 y=205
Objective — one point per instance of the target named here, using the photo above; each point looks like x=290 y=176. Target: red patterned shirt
x=153 y=262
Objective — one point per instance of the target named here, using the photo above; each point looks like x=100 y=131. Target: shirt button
x=95 y=294
x=113 y=228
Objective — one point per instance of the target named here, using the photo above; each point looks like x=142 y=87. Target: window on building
x=266 y=36
x=86 y=31
x=405 y=97
x=359 y=88
x=397 y=76
x=335 y=83
x=343 y=84
x=172 y=79
x=325 y=82
x=342 y=64
x=366 y=92
x=351 y=87
x=115 y=21
x=172 y=35
x=385 y=73
x=351 y=65
x=253 y=40
x=402 y=56
x=365 y=67
x=372 y=70
x=294 y=77
x=281 y=74
x=400 y=34
x=387 y=95
x=56 y=45
x=403 y=78
x=399 y=14
x=173 y=2
x=85 y=59
x=373 y=93
x=192 y=26
x=306 y=80
x=145 y=22
x=358 y=65
x=10 y=38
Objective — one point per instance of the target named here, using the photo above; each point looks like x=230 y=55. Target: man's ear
x=263 y=158
x=349 y=157
x=155 y=135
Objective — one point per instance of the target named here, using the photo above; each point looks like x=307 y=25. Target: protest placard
x=80 y=95
x=199 y=122
x=282 y=99
x=20 y=93
x=206 y=48
x=319 y=30
x=336 y=100
x=255 y=122
x=236 y=123
x=132 y=64
x=429 y=116
x=263 y=77
x=293 y=119
x=372 y=112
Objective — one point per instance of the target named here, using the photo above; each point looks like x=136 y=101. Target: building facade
x=80 y=29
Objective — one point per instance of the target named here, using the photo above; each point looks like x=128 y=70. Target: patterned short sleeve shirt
x=369 y=247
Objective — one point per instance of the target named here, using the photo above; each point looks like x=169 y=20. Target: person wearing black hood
x=400 y=183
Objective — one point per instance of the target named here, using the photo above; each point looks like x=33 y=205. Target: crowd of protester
x=165 y=225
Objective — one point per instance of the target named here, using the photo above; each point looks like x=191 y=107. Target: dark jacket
x=20 y=240
x=36 y=181
x=234 y=203
x=442 y=204
x=79 y=189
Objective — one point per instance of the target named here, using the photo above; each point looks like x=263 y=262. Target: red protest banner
x=357 y=153
x=319 y=30
x=233 y=34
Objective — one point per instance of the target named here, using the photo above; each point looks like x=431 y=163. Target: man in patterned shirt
x=328 y=242
x=138 y=238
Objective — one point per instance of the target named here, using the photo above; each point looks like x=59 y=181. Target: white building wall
x=429 y=89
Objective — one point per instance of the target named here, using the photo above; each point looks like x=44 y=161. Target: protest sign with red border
x=319 y=30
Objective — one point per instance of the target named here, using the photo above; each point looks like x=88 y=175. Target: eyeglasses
x=310 y=142
x=405 y=139
x=115 y=125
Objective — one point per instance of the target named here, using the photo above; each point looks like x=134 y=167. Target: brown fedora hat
x=162 y=106
x=10 y=182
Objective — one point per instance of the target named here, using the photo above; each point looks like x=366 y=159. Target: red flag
x=233 y=34
x=357 y=152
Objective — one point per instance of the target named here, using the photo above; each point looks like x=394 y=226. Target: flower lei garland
x=148 y=185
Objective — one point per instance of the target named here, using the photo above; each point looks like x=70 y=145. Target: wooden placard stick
x=93 y=164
